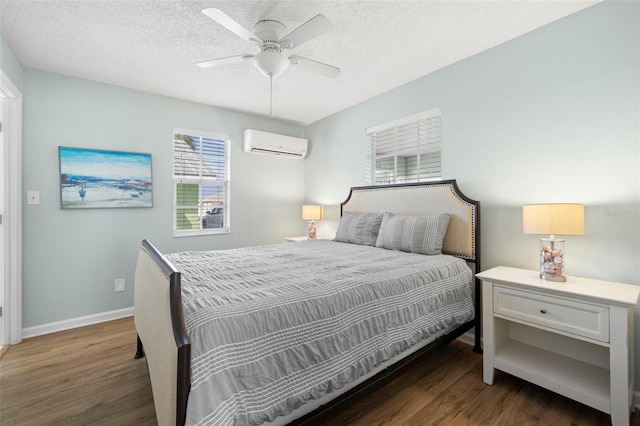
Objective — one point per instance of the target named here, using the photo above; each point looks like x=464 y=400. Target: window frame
x=200 y=181
x=434 y=152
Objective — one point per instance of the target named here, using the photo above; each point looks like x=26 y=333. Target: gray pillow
x=359 y=228
x=415 y=234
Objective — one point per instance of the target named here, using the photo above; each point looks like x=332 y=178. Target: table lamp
x=312 y=213
x=551 y=219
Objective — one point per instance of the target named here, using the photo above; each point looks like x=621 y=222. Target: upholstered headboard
x=462 y=237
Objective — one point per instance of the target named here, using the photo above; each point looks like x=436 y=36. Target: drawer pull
x=543 y=311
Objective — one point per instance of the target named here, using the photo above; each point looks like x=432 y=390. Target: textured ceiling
x=152 y=46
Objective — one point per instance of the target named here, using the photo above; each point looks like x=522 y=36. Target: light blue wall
x=72 y=257
x=552 y=116
x=10 y=65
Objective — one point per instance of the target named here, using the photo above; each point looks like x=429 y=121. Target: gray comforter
x=272 y=327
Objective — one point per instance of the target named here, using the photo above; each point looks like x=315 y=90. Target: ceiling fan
x=272 y=40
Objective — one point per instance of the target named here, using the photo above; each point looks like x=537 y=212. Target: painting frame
x=99 y=178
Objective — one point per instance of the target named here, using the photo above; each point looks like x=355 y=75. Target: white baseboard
x=54 y=327
x=469 y=338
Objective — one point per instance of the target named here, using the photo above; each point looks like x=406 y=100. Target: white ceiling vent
x=273 y=144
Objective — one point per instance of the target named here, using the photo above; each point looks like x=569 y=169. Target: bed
x=286 y=333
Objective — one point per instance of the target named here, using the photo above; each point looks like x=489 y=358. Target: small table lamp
x=312 y=213
x=563 y=219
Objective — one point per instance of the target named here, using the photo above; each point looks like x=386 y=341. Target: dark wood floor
x=88 y=376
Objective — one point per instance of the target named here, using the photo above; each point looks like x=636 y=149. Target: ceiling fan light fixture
x=270 y=63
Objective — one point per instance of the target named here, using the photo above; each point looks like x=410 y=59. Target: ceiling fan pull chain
x=270 y=96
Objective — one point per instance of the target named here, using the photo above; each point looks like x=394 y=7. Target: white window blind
x=201 y=183
x=408 y=149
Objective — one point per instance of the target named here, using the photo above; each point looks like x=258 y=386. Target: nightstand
x=574 y=338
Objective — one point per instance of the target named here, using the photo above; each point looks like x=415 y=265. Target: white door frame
x=11 y=278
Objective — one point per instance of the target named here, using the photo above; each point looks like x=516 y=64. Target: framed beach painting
x=92 y=178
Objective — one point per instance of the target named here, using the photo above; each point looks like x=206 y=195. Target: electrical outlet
x=120 y=284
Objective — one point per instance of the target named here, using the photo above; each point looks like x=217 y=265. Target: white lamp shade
x=312 y=212
x=553 y=219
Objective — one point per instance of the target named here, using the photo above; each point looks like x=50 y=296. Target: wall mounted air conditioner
x=273 y=144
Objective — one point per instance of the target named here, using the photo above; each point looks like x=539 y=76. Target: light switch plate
x=33 y=198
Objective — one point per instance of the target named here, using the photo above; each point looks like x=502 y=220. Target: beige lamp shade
x=553 y=219
x=312 y=212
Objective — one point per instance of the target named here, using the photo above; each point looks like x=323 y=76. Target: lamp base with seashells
x=312 y=229
x=552 y=266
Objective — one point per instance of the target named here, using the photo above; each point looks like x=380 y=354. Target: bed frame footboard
x=162 y=336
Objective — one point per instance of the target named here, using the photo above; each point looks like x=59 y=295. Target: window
x=406 y=150
x=201 y=183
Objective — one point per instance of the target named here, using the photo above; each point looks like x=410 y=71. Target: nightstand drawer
x=582 y=319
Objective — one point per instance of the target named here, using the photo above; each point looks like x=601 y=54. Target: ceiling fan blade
x=223 y=19
x=314 y=66
x=223 y=61
x=311 y=29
